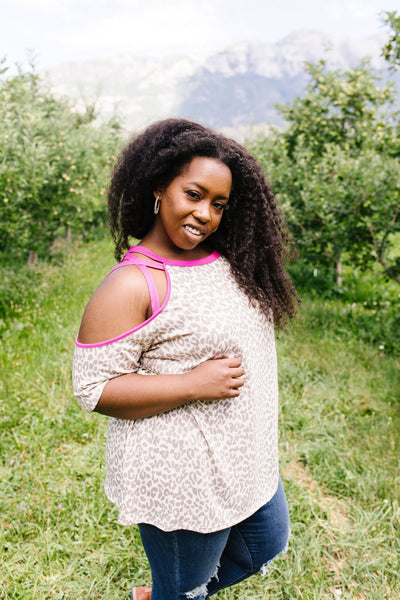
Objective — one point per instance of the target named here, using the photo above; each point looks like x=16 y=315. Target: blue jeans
x=187 y=565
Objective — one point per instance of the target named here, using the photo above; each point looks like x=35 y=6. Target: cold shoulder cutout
x=125 y=300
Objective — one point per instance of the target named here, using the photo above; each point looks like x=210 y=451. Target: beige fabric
x=207 y=465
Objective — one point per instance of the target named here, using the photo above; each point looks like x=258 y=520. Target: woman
x=177 y=347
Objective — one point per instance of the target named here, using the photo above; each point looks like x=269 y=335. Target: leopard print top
x=203 y=466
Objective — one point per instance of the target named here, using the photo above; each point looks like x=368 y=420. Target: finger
x=233 y=361
x=236 y=383
x=232 y=393
x=236 y=372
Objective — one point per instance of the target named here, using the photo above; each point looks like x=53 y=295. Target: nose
x=202 y=212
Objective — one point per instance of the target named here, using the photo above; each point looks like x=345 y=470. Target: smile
x=193 y=230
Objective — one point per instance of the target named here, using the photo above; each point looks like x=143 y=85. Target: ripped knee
x=200 y=592
x=264 y=568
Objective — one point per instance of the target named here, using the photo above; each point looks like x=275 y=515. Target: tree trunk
x=389 y=272
x=339 y=279
x=68 y=235
x=32 y=259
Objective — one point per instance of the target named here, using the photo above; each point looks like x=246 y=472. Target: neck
x=168 y=250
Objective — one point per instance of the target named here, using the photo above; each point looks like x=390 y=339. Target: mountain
x=235 y=87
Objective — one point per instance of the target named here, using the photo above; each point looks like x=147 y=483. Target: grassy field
x=339 y=443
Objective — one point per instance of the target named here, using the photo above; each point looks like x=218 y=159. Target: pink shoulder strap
x=154 y=299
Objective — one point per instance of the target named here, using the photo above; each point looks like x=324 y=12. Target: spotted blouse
x=203 y=466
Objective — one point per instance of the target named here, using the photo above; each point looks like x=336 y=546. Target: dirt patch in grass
x=335 y=509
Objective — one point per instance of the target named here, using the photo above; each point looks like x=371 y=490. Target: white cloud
x=38 y=4
x=148 y=28
x=358 y=16
x=61 y=30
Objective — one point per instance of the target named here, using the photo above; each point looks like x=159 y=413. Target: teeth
x=192 y=230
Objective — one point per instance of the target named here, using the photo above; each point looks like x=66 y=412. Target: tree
x=391 y=50
x=53 y=166
x=341 y=108
x=336 y=170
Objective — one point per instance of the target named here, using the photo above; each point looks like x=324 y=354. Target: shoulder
x=120 y=303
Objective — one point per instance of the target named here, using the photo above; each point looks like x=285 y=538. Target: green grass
x=340 y=432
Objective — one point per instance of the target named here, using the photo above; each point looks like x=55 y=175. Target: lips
x=194 y=230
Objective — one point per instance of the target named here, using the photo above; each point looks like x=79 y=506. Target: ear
x=157 y=193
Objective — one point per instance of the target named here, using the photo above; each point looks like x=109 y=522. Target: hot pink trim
x=135 y=261
x=154 y=299
x=176 y=263
x=123 y=335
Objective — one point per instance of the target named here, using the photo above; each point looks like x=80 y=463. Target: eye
x=193 y=194
x=220 y=206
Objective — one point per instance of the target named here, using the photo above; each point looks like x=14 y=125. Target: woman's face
x=193 y=203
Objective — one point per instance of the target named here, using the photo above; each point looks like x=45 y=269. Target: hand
x=216 y=379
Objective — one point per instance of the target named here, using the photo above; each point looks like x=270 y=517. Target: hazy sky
x=62 y=30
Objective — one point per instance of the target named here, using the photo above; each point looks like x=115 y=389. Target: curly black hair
x=251 y=235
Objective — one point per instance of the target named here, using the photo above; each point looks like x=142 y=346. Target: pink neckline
x=176 y=263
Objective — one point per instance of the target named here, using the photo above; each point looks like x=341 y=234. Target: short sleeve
x=94 y=366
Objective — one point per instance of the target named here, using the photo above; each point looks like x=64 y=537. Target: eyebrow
x=206 y=190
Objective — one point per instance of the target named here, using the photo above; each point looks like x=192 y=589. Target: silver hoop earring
x=157 y=205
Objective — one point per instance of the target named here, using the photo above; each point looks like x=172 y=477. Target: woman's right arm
x=121 y=303
x=135 y=396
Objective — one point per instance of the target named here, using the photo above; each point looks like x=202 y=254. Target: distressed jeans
x=187 y=565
